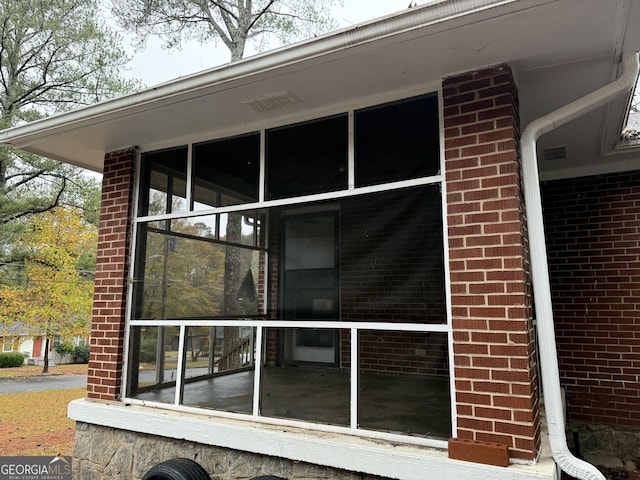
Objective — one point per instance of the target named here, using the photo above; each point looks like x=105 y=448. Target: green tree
x=233 y=22
x=56 y=296
x=182 y=274
x=54 y=55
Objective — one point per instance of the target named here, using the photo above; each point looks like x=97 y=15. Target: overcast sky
x=155 y=65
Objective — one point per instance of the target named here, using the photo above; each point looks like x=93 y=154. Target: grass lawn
x=36 y=423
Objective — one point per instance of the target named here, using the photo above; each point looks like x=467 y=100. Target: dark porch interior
x=404 y=404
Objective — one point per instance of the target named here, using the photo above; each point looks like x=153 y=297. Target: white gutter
x=547 y=352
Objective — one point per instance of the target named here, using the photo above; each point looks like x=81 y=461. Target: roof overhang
x=559 y=50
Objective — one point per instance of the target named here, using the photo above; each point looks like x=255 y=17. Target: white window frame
x=260 y=325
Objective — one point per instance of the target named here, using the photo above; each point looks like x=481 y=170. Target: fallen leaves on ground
x=33 y=370
x=36 y=423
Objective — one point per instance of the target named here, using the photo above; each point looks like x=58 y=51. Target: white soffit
x=398 y=52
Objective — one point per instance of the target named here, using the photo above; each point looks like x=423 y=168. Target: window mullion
x=181 y=365
x=351 y=155
x=189 y=187
x=263 y=168
x=355 y=379
x=257 y=373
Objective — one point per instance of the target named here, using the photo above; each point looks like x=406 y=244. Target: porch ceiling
x=558 y=49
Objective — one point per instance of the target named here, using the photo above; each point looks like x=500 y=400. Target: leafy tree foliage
x=54 y=56
x=56 y=295
x=182 y=275
x=234 y=22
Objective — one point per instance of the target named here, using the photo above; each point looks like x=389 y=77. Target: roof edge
x=359 y=34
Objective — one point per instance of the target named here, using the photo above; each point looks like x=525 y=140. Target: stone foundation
x=597 y=441
x=102 y=453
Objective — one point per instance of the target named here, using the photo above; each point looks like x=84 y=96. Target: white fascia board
x=374 y=457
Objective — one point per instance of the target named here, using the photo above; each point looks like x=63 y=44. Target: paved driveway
x=39 y=383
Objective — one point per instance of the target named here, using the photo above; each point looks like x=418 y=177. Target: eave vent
x=553 y=154
x=273 y=101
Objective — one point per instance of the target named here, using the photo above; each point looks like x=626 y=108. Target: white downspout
x=547 y=352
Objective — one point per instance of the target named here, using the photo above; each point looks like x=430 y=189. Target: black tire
x=177 y=469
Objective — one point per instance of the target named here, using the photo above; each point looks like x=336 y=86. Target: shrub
x=11 y=359
x=64 y=348
x=81 y=354
x=148 y=349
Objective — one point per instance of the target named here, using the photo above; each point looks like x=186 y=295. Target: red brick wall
x=494 y=352
x=593 y=239
x=406 y=353
x=112 y=265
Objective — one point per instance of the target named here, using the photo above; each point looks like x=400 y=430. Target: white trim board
x=374 y=457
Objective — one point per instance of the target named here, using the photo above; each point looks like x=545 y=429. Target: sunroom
x=318 y=262
x=296 y=275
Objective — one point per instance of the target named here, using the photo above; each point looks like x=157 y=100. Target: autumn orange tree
x=55 y=297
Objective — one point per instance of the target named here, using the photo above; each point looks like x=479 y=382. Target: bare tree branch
x=53 y=55
x=234 y=22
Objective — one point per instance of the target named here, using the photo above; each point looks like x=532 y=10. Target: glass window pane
x=226 y=171
x=164 y=182
x=157 y=194
x=199 y=351
x=241 y=228
x=219 y=368
x=248 y=227
x=153 y=362
x=404 y=383
x=397 y=141
x=307 y=158
x=182 y=278
x=310 y=243
x=203 y=226
x=305 y=391
x=184 y=275
x=204 y=198
x=309 y=273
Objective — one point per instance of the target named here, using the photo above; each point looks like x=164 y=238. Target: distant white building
x=18 y=339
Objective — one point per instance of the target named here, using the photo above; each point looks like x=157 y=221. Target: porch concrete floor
x=406 y=404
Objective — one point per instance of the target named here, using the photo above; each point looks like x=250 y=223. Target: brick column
x=494 y=351
x=112 y=268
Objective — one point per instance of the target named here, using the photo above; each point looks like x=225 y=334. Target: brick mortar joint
x=494 y=420
x=508 y=434
x=450 y=132
x=471 y=123
x=480 y=110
